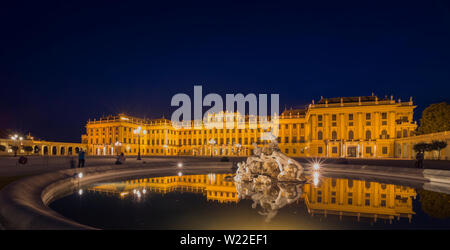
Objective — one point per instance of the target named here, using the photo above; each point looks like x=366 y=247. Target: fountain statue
x=269 y=196
x=268 y=164
x=270 y=178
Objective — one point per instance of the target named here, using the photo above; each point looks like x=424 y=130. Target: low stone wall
x=430 y=179
x=23 y=204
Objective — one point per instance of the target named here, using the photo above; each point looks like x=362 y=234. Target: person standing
x=419 y=158
x=81 y=159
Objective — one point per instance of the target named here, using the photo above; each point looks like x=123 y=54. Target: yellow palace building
x=365 y=126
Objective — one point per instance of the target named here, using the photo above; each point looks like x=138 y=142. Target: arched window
x=405 y=133
x=320 y=135
x=384 y=134
x=368 y=135
x=350 y=135
x=334 y=135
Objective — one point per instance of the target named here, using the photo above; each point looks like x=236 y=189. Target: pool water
x=214 y=201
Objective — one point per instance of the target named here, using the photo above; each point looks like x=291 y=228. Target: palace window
x=319 y=117
x=368 y=135
x=350 y=124
x=334 y=135
x=319 y=124
x=384 y=150
x=350 y=185
x=405 y=133
x=367 y=116
x=286 y=139
x=334 y=150
x=383 y=115
x=333 y=117
x=384 y=134
x=320 y=135
x=302 y=125
x=350 y=117
x=286 y=151
x=319 y=150
x=294 y=139
x=350 y=135
x=333 y=124
x=368 y=150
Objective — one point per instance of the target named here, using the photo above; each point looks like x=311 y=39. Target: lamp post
x=15 y=138
x=211 y=142
x=117 y=144
x=238 y=147
x=138 y=133
x=165 y=148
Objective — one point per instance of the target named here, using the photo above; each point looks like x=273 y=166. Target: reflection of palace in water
x=359 y=198
x=333 y=196
x=212 y=185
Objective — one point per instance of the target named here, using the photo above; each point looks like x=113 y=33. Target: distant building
x=38 y=147
x=365 y=126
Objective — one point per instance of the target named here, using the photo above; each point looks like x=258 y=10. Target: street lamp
x=211 y=142
x=138 y=133
x=117 y=144
x=15 y=138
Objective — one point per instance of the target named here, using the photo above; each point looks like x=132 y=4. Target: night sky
x=65 y=62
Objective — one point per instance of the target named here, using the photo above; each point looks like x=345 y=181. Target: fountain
x=270 y=178
x=268 y=164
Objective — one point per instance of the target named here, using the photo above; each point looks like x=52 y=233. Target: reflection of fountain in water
x=271 y=179
x=269 y=196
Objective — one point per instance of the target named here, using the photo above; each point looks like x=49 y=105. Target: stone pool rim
x=24 y=203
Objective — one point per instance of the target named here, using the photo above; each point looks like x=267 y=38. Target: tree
x=435 y=118
x=422 y=147
x=15 y=149
x=439 y=145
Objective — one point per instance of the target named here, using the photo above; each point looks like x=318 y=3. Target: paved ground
x=11 y=170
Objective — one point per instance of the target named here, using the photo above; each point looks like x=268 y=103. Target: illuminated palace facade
x=365 y=126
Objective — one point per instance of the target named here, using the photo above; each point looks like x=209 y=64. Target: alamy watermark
x=219 y=117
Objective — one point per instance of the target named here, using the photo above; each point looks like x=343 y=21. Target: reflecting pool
x=214 y=201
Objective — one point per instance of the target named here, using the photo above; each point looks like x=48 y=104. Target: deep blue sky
x=64 y=62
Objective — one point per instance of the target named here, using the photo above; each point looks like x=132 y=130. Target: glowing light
x=80 y=192
x=180 y=174
x=134 y=191
x=80 y=175
x=316 y=166
x=180 y=164
x=144 y=191
x=316 y=181
x=316 y=178
x=316 y=175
